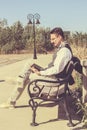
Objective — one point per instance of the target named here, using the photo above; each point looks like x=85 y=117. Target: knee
x=20 y=80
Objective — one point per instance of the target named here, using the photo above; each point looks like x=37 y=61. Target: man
x=61 y=57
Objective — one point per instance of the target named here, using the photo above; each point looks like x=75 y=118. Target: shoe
x=7 y=105
x=70 y=124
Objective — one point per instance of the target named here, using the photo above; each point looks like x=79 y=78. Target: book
x=39 y=68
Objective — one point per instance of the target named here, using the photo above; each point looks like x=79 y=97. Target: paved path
x=20 y=118
x=11 y=58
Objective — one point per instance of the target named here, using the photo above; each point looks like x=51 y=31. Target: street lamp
x=34 y=19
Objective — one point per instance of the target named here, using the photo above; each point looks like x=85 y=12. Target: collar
x=62 y=44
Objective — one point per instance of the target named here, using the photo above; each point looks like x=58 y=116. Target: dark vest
x=77 y=67
x=62 y=74
x=55 y=54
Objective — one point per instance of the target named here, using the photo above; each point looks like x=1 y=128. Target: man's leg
x=18 y=90
x=22 y=81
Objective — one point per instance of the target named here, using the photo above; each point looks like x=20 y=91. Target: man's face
x=55 y=39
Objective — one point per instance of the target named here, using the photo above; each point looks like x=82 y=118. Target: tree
x=17 y=30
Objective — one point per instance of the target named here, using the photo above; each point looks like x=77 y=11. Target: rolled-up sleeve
x=62 y=58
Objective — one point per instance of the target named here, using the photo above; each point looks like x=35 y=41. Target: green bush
x=7 y=48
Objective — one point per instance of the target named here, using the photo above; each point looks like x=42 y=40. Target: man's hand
x=34 y=70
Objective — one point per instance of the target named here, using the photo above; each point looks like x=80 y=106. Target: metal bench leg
x=34 y=106
x=70 y=124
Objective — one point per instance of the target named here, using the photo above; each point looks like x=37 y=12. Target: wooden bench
x=39 y=99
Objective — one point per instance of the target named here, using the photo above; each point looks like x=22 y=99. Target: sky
x=70 y=15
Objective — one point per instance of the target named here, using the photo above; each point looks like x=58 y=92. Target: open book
x=39 y=68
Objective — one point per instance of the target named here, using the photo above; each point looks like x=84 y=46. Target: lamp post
x=34 y=19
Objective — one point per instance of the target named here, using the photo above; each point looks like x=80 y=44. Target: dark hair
x=57 y=31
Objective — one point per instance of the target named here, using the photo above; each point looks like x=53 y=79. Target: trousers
x=24 y=78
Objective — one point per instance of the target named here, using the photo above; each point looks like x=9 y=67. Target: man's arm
x=60 y=62
x=63 y=56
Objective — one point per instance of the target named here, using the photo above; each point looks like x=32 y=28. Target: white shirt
x=63 y=56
